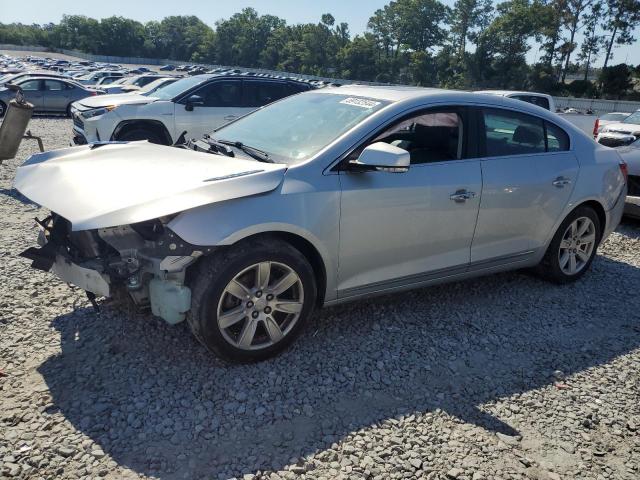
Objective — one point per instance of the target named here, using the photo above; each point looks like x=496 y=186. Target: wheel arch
x=600 y=211
x=304 y=246
x=155 y=125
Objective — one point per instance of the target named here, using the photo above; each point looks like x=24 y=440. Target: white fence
x=596 y=105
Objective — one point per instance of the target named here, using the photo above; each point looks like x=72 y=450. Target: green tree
x=615 y=81
x=466 y=18
x=621 y=18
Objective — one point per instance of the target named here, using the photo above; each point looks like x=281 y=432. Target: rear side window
x=557 y=139
x=512 y=133
x=258 y=93
x=53 y=85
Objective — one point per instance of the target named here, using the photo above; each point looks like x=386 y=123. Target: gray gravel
x=504 y=377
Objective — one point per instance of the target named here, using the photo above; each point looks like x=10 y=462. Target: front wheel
x=573 y=247
x=250 y=302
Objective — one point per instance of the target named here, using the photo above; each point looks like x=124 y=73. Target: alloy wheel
x=260 y=305
x=577 y=245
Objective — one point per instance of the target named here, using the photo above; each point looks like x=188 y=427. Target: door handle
x=560 y=182
x=461 y=196
x=230 y=117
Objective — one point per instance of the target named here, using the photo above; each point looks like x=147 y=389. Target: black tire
x=214 y=273
x=3 y=109
x=142 y=134
x=550 y=268
x=68 y=111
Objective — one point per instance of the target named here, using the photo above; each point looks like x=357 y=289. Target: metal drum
x=14 y=126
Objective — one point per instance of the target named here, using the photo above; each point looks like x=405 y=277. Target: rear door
x=222 y=102
x=56 y=96
x=528 y=173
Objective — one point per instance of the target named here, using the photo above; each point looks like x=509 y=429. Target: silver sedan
x=48 y=95
x=321 y=198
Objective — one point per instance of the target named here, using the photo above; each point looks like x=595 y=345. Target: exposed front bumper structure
x=148 y=261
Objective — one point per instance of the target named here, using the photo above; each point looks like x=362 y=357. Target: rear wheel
x=68 y=111
x=573 y=247
x=142 y=134
x=250 y=302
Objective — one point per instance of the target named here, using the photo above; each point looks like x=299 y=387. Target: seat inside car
x=428 y=144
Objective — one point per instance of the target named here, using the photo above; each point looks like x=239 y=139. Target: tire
x=68 y=111
x=3 y=109
x=555 y=266
x=142 y=134
x=257 y=327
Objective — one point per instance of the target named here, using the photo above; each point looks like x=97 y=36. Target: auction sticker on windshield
x=360 y=102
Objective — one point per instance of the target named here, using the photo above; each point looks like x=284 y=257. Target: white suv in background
x=193 y=106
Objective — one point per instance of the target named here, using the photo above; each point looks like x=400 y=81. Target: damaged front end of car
x=146 y=261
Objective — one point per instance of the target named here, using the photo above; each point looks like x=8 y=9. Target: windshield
x=298 y=127
x=633 y=118
x=175 y=89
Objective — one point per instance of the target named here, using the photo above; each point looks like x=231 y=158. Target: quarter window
x=557 y=139
x=512 y=133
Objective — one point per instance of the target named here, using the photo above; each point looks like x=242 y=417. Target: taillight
x=624 y=170
x=596 y=127
x=93 y=94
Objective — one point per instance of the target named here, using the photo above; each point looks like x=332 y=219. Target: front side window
x=30 y=85
x=297 y=127
x=512 y=133
x=221 y=94
x=432 y=136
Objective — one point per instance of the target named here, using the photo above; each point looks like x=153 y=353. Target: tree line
x=474 y=44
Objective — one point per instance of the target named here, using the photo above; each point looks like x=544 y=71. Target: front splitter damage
x=147 y=260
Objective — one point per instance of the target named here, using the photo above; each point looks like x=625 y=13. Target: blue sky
x=355 y=12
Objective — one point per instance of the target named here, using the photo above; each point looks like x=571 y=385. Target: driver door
x=403 y=229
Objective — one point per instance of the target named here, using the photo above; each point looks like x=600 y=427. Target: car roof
x=245 y=76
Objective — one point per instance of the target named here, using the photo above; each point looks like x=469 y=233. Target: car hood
x=122 y=183
x=116 y=99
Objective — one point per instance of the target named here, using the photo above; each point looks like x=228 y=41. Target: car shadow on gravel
x=157 y=403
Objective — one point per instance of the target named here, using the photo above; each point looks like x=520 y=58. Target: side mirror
x=192 y=101
x=382 y=157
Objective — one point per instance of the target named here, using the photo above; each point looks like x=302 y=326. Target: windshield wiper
x=217 y=147
x=251 y=151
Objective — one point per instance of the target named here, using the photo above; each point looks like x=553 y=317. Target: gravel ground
x=504 y=377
